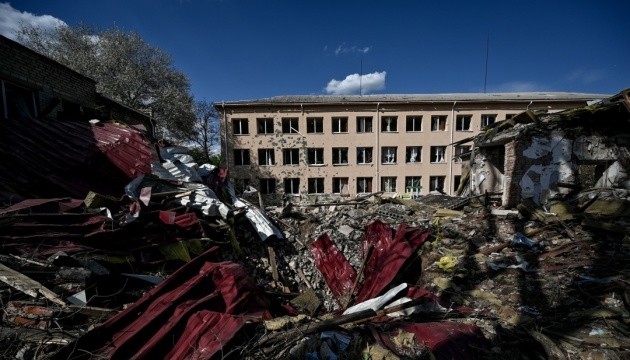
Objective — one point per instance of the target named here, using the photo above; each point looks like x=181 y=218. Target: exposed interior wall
x=536 y=162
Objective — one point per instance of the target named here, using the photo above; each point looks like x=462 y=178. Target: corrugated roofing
x=52 y=158
x=412 y=98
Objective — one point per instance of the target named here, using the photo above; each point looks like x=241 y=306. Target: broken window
x=413 y=184
x=267 y=186
x=266 y=157
x=388 y=183
x=340 y=186
x=316 y=185
x=414 y=123
x=315 y=156
x=292 y=186
x=438 y=154
x=463 y=123
x=438 y=123
x=290 y=126
x=459 y=150
x=18 y=102
x=487 y=120
x=364 y=124
x=436 y=183
x=291 y=156
x=364 y=155
x=364 y=185
x=340 y=125
x=388 y=154
x=413 y=154
x=265 y=126
x=240 y=126
x=241 y=157
x=314 y=125
x=389 y=124
x=340 y=156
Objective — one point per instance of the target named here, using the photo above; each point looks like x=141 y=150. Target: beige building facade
x=348 y=146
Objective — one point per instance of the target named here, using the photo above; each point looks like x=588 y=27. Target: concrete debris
x=528 y=265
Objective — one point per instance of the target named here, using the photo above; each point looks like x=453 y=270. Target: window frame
x=485 y=117
x=368 y=184
x=265 y=152
x=241 y=162
x=268 y=122
x=270 y=185
x=439 y=119
x=435 y=180
x=384 y=125
x=412 y=186
x=389 y=151
x=436 y=154
x=365 y=150
x=418 y=156
x=461 y=121
x=291 y=182
x=338 y=124
x=317 y=182
x=313 y=123
x=413 y=118
x=294 y=153
x=240 y=122
x=337 y=154
x=387 y=180
x=362 y=124
x=337 y=186
x=312 y=157
x=290 y=121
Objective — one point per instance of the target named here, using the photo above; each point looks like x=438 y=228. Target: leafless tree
x=206 y=130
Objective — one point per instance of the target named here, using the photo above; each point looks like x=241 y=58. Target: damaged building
x=545 y=157
x=115 y=247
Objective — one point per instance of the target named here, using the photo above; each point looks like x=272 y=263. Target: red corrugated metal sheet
x=387 y=257
x=51 y=158
x=192 y=314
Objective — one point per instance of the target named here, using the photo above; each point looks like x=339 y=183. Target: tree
x=125 y=67
x=206 y=131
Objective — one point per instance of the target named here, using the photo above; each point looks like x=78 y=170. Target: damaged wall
x=541 y=157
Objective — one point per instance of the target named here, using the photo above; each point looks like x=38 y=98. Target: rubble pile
x=175 y=264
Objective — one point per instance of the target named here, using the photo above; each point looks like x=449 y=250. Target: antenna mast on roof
x=361 y=75
x=485 y=78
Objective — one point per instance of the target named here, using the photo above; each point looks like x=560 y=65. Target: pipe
x=375 y=153
x=227 y=157
x=530 y=104
x=450 y=163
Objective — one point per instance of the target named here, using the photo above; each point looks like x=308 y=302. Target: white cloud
x=342 y=49
x=11 y=19
x=357 y=84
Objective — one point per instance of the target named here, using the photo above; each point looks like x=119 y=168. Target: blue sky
x=250 y=49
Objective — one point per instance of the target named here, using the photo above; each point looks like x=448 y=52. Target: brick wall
x=50 y=79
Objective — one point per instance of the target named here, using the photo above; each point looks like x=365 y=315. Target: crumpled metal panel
x=51 y=158
x=200 y=308
x=388 y=255
x=335 y=268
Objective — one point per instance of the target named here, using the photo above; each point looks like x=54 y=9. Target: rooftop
x=410 y=98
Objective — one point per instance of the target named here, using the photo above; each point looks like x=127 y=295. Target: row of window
x=315 y=125
x=364 y=155
x=340 y=185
